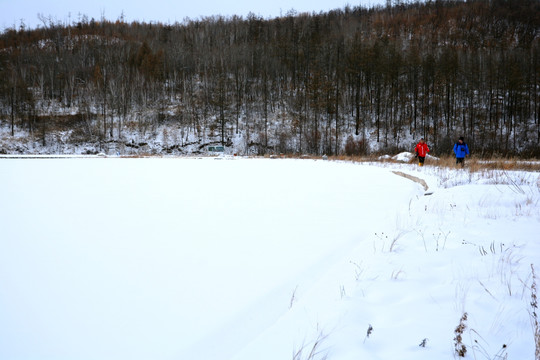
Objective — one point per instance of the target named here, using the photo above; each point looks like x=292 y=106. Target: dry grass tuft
x=311 y=351
x=534 y=315
x=460 y=348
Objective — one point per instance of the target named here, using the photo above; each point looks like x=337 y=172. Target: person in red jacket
x=421 y=151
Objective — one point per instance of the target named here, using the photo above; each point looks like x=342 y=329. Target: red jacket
x=421 y=149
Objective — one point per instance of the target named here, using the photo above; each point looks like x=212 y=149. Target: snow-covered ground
x=226 y=258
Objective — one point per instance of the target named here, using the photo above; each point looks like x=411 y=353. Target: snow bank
x=203 y=259
x=403 y=157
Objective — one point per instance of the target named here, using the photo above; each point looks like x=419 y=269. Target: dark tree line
x=302 y=83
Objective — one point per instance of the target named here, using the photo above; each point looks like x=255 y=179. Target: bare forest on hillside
x=349 y=81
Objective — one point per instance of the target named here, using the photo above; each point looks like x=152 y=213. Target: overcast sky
x=164 y=11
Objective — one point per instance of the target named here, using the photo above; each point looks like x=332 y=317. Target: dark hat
x=461 y=138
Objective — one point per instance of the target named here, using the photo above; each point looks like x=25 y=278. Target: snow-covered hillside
x=237 y=258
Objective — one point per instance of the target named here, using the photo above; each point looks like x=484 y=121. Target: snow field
x=254 y=258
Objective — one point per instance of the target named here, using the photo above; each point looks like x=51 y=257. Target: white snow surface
x=184 y=258
x=405 y=157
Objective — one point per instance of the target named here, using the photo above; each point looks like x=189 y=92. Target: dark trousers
x=460 y=161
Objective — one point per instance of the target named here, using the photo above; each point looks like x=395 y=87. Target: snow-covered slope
x=255 y=258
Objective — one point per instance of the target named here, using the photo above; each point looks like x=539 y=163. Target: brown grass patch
x=471 y=164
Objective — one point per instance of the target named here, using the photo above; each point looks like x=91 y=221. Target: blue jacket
x=461 y=150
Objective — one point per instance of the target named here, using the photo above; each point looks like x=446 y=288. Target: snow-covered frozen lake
x=173 y=258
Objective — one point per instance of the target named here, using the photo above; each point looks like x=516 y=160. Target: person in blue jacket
x=461 y=150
